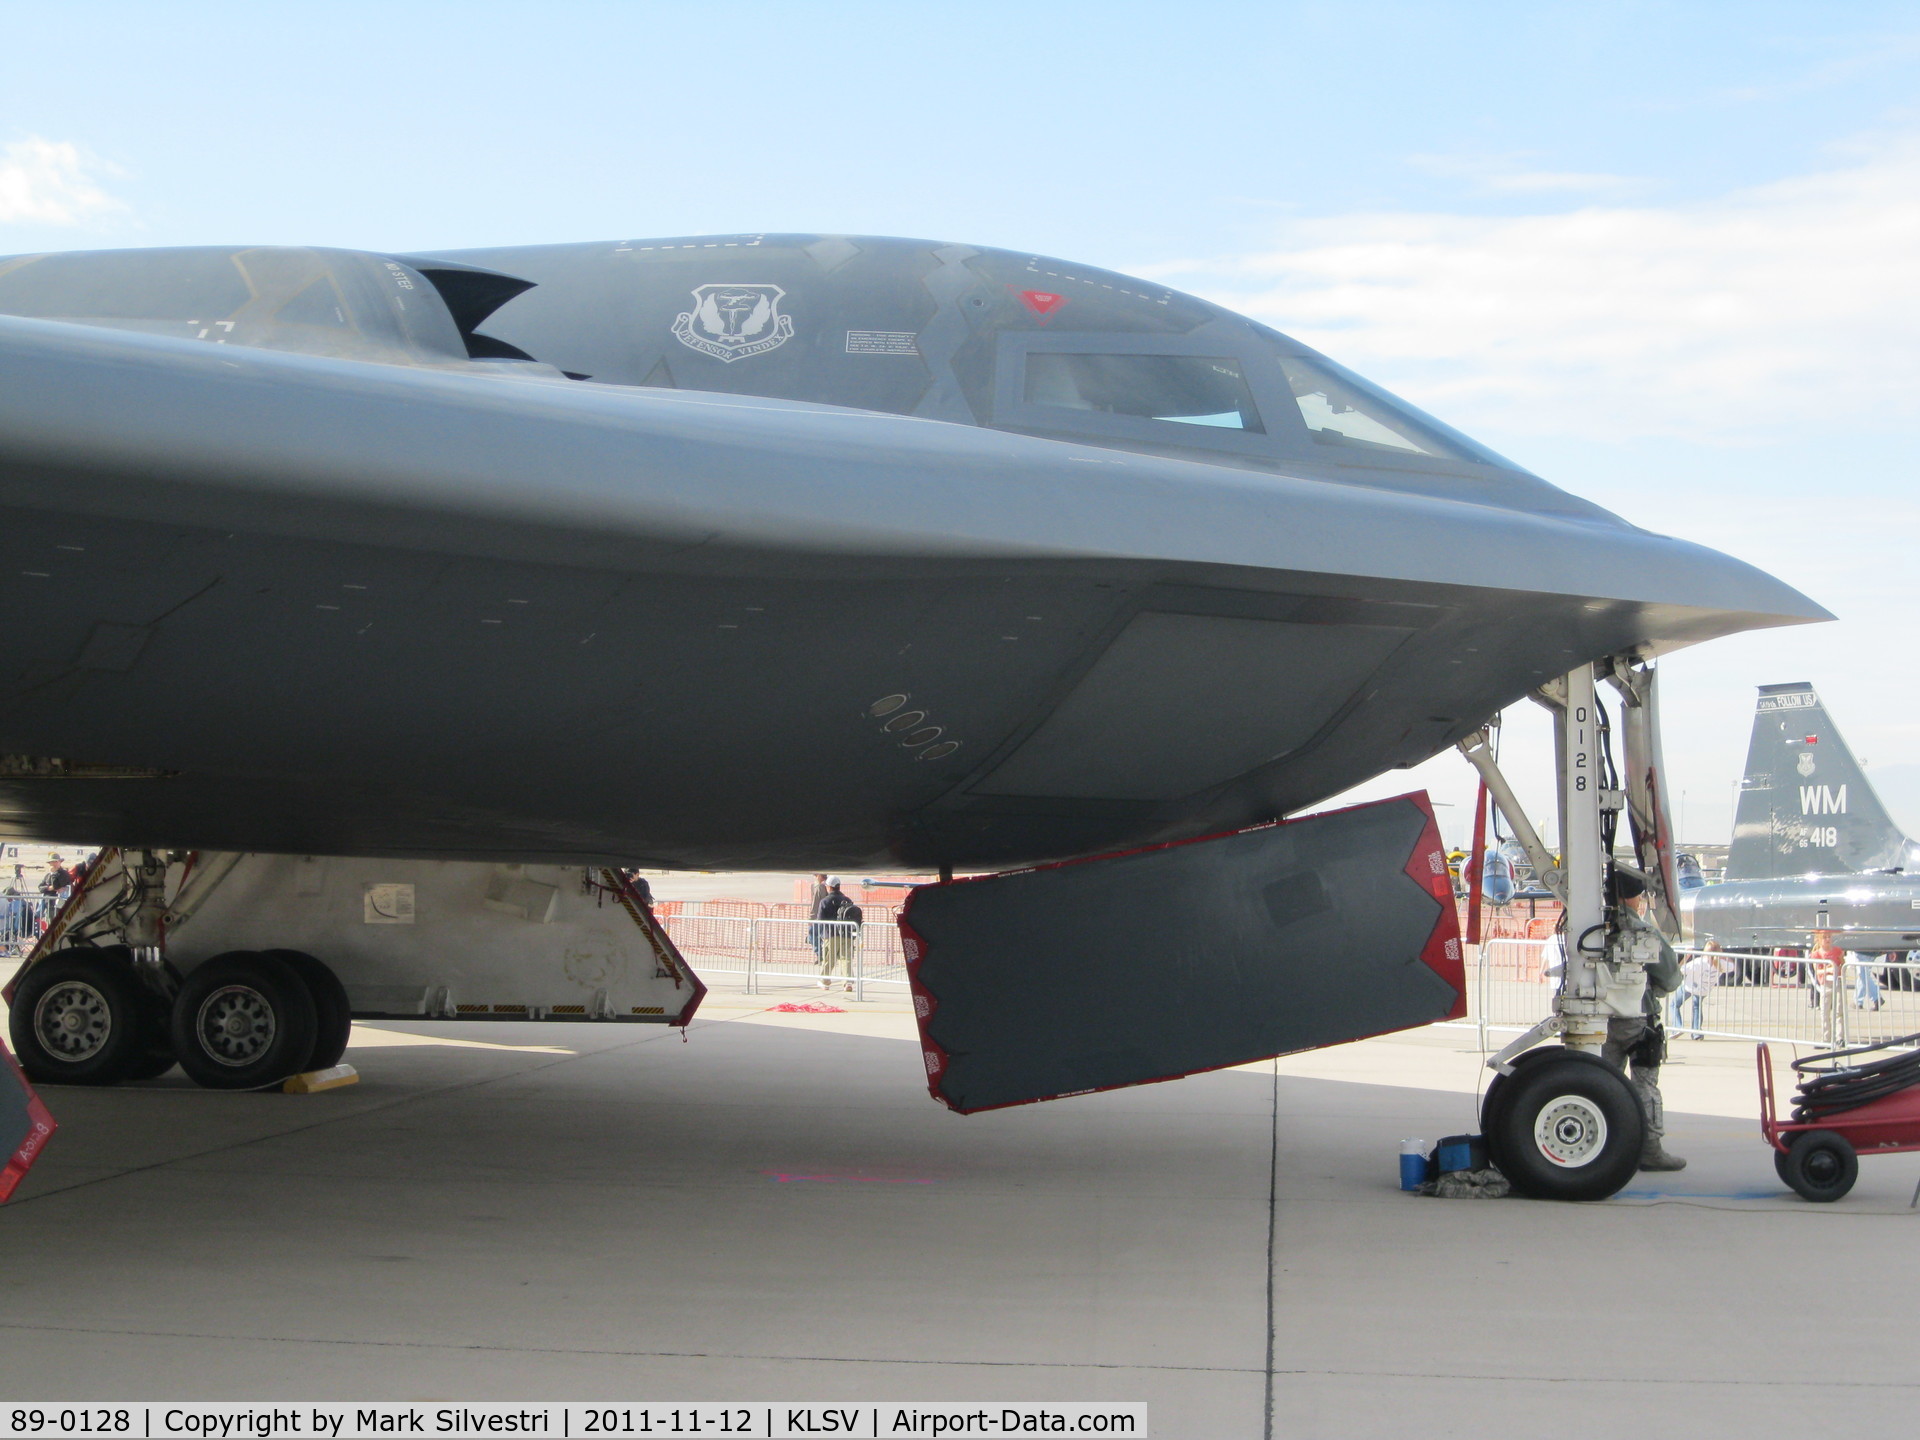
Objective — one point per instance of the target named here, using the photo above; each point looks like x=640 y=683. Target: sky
x=1664 y=255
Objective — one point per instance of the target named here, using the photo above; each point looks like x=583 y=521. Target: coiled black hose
x=1825 y=1092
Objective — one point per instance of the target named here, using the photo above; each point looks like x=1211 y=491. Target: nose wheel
x=1564 y=1126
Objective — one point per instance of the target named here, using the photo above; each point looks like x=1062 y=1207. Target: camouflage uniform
x=1640 y=1042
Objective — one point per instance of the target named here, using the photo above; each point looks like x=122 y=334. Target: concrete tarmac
x=774 y=1209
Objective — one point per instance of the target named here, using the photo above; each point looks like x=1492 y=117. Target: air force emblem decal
x=731 y=322
x=1806 y=762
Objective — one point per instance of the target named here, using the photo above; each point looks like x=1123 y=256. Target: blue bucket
x=1414 y=1164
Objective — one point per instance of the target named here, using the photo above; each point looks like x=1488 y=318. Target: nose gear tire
x=1569 y=1128
x=243 y=1021
x=1493 y=1102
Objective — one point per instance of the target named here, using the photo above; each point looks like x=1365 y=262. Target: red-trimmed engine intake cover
x=25 y=1125
x=1153 y=964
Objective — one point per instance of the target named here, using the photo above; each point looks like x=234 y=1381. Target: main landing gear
x=165 y=958
x=244 y=1020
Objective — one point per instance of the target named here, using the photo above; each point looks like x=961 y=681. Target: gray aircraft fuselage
x=762 y=551
x=1864 y=912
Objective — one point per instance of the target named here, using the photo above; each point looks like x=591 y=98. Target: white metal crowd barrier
x=22 y=918
x=1507 y=985
x=792 y=954
x=1754 y=997
x=1876 y=1000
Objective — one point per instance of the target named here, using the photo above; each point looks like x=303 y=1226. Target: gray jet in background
x=1811 y=842
x=746 y=551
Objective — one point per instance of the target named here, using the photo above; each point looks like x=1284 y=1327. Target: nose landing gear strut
x=1561 y=1122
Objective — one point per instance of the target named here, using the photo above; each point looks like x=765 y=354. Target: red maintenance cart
x=1844 y=1107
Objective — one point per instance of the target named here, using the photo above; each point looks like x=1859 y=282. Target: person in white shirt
x=1698 y=974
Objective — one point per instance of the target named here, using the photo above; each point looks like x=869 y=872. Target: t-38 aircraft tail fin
x=1806 y=807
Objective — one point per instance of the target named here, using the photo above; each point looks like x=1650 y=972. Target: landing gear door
x=1648 y=813
x=1148 y=965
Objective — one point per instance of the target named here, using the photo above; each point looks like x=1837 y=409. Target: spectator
x=1823 y=962
x=642 y=889
x=16 y=917
x=838 y=919
x=815 y=931
x=1866 y=985
x=1698 y=975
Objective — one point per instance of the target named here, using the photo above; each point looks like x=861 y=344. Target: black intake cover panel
x=1152 y=964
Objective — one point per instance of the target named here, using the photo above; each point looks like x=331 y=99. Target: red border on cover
x=41 y=1126
x=1426 y=867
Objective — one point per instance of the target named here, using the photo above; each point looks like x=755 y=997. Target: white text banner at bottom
x=613 y=1420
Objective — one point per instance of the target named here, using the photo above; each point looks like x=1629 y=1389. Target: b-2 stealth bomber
x=749 y=551
x=412 y=598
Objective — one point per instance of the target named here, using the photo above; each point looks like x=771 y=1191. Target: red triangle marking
x=1042 y=302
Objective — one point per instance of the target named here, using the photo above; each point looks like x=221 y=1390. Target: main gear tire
x=1821 y=1166
x=243 y=1021
x=82 y=1017
x=1569 y=1128
x=333 y=1012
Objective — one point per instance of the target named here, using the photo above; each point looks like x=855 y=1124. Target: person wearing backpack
x=838 y=921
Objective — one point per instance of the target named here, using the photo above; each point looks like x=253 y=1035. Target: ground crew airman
x=1640 y=1042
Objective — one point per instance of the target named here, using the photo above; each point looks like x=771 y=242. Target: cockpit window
x=1342 y=409
x=1189 y=389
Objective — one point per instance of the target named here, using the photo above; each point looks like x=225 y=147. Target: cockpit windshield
x=1342 y=409
x=1191 y=389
